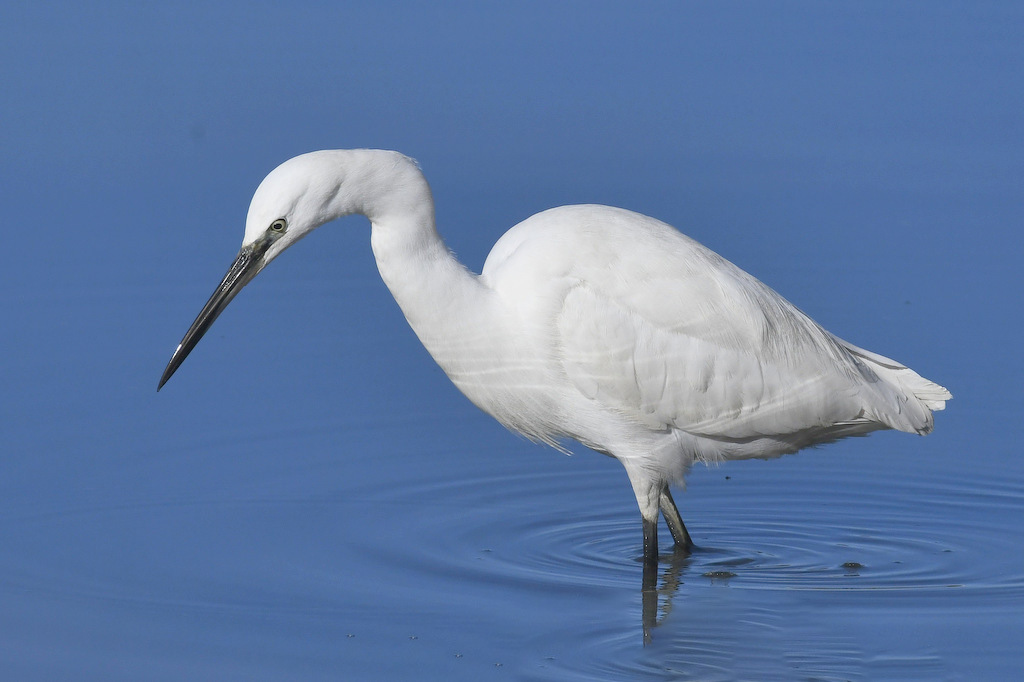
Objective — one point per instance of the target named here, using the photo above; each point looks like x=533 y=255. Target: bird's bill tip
x=172 y=366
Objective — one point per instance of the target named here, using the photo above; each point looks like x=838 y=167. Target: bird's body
x=595 y=324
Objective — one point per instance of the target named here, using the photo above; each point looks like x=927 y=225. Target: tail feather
x=914 y=387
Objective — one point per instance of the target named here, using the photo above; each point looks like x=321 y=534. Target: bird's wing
x=697 y=344
x=684 y=377
x=654 y=326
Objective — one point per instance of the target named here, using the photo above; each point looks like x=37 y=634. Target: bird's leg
x=650 y=542
x=647 y=489
x=674 y=521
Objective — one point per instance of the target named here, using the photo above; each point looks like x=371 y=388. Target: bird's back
x=655 y=329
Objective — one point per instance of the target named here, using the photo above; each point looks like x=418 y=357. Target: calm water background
x=309 y=498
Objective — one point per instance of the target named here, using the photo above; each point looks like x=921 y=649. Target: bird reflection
x=657 y=601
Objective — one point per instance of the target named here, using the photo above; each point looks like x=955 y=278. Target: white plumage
x=596 y=324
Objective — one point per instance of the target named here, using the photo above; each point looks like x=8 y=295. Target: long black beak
x=246 y=266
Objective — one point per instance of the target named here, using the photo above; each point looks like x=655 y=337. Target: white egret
x=595 y=324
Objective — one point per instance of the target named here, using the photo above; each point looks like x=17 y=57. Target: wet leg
x=650 y=542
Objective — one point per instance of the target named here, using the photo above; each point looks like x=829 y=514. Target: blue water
x=309 y=498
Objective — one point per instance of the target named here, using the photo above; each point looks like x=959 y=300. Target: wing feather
x=681 y=338
x=659 y=329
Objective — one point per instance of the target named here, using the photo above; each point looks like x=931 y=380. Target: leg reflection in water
x=673 y=565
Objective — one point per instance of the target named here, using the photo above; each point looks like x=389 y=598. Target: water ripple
x=930 y=534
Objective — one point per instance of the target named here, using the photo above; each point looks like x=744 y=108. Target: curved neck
x=438 y=295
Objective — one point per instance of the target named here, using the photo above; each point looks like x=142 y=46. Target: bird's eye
x=279 y=225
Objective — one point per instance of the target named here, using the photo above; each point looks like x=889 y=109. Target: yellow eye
x=279 y=225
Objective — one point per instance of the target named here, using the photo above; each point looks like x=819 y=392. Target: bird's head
x=298 y=196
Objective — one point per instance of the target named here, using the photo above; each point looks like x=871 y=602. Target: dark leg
x=674 y=521
x=651 y=542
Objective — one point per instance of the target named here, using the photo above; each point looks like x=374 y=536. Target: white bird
x=595 y=324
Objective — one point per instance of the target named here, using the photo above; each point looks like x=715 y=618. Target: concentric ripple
x=799 y=546
x=786 y=533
